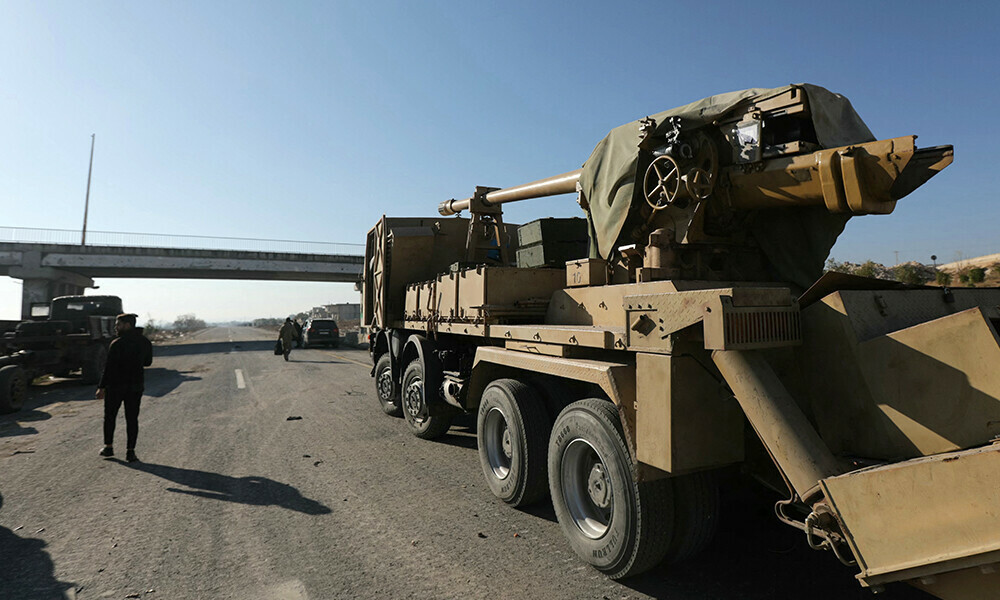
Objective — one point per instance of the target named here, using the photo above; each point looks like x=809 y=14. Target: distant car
x=320 y=332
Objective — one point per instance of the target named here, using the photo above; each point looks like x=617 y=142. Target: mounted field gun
x=619 y=364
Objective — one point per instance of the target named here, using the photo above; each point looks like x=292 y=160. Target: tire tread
x=696 y=514
x=654 y=500
x=393 y=410
x=8 y=375
x=534 y=421
x=435 y=426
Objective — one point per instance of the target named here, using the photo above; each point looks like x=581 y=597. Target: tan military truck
x=697 y=331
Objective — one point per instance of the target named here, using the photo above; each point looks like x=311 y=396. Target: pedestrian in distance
x=298 y=333
x=123 y=382
x=287 y=337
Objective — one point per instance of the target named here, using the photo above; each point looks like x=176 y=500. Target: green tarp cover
x=796 y=242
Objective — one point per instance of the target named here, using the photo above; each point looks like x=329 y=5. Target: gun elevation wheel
x=662 y=182
x=699 y=183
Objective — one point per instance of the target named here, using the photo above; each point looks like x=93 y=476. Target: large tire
x=618 y=525
x=13 y=388
x=386 y=387
x=413 y=397
x=696 y=514
x=513 y=430
x=93 y=363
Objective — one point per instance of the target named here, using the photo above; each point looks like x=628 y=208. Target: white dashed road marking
x=240 y=383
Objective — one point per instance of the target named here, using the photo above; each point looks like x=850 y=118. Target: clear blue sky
x=309 y=120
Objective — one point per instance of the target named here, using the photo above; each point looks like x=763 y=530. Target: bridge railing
x=33 y=235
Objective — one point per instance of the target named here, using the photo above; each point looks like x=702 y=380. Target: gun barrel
x=860 y=179
x=550 y=186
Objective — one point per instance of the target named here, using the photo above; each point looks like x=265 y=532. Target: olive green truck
x=617 y=363
x=72 y=333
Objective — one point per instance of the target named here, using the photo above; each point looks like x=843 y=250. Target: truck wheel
x=93 y=363
x=513 y=430
x=696 y=514
x=385 y=386
x=415 y=409
x=13 y=388
x=618 y=525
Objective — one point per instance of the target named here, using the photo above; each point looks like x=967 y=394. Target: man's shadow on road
x=11 y=427
x=160 y=381
x=28 y=571
x=254 y=491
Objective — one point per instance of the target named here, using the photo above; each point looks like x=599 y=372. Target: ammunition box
x=586 y=271
x=447 y=295
x=551 y=230
x=419 y=304
x=550 y=254
x=504 y=293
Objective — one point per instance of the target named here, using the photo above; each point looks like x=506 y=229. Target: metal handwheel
x=662 y=182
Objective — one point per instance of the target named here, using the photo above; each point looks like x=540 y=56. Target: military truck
x=71 y=333
x=697 y=332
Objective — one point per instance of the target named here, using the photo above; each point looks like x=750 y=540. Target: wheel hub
x=385 y=385
x=497 y=442
x=414 y=400
x=587 y=488
x=597 y=486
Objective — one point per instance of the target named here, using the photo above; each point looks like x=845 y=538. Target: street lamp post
x=86 y=202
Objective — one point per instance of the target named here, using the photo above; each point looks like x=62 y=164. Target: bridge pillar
x=41 y=284
x=34 y=291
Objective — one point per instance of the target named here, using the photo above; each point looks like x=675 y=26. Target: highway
x=261 y=479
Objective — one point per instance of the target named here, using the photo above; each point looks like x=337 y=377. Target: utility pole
x=897 y=256
x=86 y=203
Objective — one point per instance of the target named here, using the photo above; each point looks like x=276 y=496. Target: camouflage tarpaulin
x=796 y=242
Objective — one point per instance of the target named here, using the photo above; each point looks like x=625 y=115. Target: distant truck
x=72 y=333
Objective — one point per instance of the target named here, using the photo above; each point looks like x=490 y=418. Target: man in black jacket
x=123 y=382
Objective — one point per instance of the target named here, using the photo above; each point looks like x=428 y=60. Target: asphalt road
x=232 y=499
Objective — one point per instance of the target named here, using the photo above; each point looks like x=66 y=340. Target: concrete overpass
x=48 y=270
